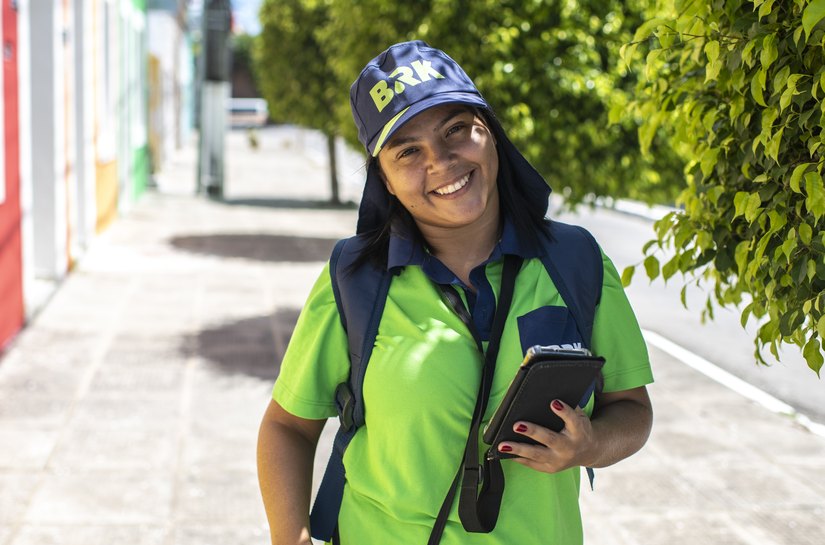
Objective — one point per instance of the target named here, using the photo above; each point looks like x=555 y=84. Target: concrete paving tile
x=236 y=535
x=135 y=350
x=750 y=486
x=102 y=497
x=90 y=535
x=212 y=454
x=33 y=411
x=799 y=526
x=622 y=490
x=705 y=528
x=599 y=529
x=220 y=498
x=42 y=378
x=117 y=411
x=25 y=449
x=239 y=409
x=116 y=449
x=155 y=378
x=16 y=490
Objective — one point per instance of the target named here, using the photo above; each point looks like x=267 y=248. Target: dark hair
x=520 y=208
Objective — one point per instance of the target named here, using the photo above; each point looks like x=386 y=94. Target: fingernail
x=557 y=405
x=505 y=448
x=521 y=428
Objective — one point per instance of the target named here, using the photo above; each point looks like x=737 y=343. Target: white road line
x=728 y=380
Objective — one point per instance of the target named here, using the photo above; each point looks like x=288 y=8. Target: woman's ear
x=383 y=177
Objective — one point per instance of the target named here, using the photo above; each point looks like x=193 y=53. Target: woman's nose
x=441 y=157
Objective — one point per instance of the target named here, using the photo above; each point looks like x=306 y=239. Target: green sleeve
x=618 y=338
x=316 y=359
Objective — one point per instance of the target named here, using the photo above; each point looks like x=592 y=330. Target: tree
x=294 y=71
x=737 y=87
x=547 y=67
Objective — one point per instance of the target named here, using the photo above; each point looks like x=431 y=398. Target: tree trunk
x=333 y=169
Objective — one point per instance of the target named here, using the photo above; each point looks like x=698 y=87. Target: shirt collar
x=403 y=250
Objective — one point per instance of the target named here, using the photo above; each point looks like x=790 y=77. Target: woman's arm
x=286 y=450
x=620 y=426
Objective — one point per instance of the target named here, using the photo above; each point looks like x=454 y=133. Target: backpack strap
x=573 y=258
x=360 y=294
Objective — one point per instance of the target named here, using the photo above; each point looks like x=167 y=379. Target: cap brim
x=450 y=97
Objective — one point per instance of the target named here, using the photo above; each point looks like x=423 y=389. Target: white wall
x=164 y=40
x=46 y=143
x=84 y=122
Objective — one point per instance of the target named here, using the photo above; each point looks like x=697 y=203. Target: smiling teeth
x=452 y=188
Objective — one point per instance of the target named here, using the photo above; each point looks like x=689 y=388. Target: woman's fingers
x=555 y=451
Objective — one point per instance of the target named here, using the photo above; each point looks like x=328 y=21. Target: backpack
x=573 y=261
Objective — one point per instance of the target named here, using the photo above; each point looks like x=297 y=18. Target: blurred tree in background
x=738 y=87
x=294 y=72
x=550 y=69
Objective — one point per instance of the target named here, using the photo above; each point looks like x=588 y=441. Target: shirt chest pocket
x=549 y=326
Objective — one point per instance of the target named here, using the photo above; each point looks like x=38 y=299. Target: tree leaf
x=753 y=207
x=812 y=15
x=805 y=234
x=651 y=267
x=797 y=175
x=712 y=50
x=815 y=199
x=758 y=86
x=627 y=275
x=769 y=52
x=741 y=255
x=813 y=355
x=740 y=200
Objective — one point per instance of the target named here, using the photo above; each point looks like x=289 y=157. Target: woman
x=447 y=197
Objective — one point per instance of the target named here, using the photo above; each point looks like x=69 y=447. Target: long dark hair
x=526 y=212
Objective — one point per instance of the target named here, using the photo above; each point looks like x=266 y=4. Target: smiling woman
x=442 y=167
x=454 y=264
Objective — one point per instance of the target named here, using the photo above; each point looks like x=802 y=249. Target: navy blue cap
x=403 y=81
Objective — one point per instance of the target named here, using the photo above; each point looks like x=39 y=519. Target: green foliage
x=737 y=89
x=546 y=66
x=292 y=69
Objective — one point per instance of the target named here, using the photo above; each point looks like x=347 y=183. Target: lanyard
x=479 y=511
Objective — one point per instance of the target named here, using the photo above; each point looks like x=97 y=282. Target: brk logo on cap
x=401 y=82
x=403 y=75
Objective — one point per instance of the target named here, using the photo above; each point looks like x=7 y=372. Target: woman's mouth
x=452 y=188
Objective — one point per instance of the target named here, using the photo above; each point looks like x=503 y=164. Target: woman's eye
x=455 y=128
x=406 y=152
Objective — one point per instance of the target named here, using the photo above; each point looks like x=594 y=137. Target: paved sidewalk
x=129 y=407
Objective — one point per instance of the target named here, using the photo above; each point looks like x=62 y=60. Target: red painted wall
x=11 y=260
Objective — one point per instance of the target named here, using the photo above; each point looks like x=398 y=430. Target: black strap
x=479 y=511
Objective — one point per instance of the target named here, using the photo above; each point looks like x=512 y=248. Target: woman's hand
x=575 y=445
x=620 y=426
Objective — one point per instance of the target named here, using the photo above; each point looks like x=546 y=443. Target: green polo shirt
x=419 y=393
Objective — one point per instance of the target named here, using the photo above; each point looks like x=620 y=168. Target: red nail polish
x=505 y=448
x=557 y=405
x=521 y=428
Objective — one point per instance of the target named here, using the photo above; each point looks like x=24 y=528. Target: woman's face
x=442 y=166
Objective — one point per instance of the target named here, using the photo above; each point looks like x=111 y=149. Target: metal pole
x=214 y=94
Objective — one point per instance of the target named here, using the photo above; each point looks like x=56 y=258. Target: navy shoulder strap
x=572 y=257
x=360 y=293
x=573 y=260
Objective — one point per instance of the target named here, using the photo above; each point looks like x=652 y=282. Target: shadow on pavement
x=253 y=346
x=291 y=204
x=258 y=247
